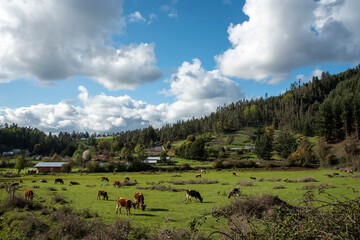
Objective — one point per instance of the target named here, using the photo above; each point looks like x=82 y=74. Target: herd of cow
x=138 y=196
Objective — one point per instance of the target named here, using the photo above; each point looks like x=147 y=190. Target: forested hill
x=329 y=106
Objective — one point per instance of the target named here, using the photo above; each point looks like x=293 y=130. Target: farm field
x=168 y=209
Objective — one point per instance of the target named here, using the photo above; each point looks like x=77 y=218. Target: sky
x=116 y=65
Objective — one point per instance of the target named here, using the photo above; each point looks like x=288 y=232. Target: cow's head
x=143 y=207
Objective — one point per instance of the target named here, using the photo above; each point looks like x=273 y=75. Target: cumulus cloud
x=55 y=40
x=197 y=92
x=281 y=36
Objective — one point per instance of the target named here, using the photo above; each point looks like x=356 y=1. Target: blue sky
x=110 y=66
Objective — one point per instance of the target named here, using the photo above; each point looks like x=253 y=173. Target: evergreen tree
x=263 y=147
x=285 y=144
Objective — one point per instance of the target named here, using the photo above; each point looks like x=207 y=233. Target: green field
x=168 y=209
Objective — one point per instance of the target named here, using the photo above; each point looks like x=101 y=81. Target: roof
x=101 y=157
x=50 y=164
x=156 y=158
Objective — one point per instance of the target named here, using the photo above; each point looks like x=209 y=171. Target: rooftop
x=50 y=164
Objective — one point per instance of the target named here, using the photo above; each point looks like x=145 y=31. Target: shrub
x=308 y=187
x=51 y=189
x=278 y=187
x=307 y=179
x=59 y=199
x=244 y=183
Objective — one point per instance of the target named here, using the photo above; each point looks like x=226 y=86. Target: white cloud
x=197 y=93
x=136 y=17
x=281 y=36
x=316 y=73
x=55 y=40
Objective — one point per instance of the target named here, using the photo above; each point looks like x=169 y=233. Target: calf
x=74 y=183
x=59 y=180
x=29 y=194
x=117 y=183
x=234 y=191
x=203 y=171
x=139 y=200
x=104 y=179
x=124 y=202
x=193 y=193
x=102 y=193
x=198 y=176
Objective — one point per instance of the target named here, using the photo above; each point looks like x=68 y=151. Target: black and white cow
x=193 y=193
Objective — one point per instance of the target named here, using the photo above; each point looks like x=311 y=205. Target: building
x=46 y=167
x=100 y=160
x=154 y=160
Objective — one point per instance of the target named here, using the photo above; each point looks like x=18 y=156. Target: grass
x=167 y=208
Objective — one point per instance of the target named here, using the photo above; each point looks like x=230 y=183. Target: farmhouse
x=100 y=160
x=154 y=160
x=248 y=148
x=44 y=167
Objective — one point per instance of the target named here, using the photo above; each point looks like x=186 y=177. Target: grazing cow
x=203 y=171
x=218 y=169
x=20 y=181
x=234 y=191
x=104 y=179
x=193 y=193
x=124 y=202
x=33 y=181
x=43 y=181
x=102 y=193
x=59 y=180
x=29 y=194
x=74 y=183
x=127 y=179
x=198 y=175
x=117 y=183
x=234 y=174
x=139 y=200
x=253 y=178
x=135 y=181
x=348 y=171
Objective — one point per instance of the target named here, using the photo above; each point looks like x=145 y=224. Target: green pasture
x=168 y=209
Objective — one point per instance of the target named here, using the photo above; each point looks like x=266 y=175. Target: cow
x=20 y=181
x=348 y=171
x=139 y=200
x=102 y=193
x=15 y=185
x=33 y=181
x=74 y=183
x=29 y=194
x=117 y=183
x=218 y=169
x=127 y=179
x=104 y=179
x=151 y=171
x=193 y=193
x=59 y=180
x=203 y=171
x=124 y=202
x=253 y=178
x=234 y=191
x=43 y=181
x=234 y=174
x=135 y=182
x=198 y=176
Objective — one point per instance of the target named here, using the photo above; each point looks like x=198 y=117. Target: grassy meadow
x=168 y=209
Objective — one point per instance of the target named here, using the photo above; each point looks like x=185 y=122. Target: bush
x=307 y=179
x=244 y=183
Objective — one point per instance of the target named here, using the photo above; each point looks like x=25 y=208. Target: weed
x=307 y=179
x=51 y=189
x=278 y=187
x=245 y=183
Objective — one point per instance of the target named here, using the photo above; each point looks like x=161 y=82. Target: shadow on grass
x=144 y=214
x=158 y=210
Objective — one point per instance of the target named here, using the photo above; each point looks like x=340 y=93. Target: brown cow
x=29 y=194
x=198 y=176
x=124 y=202
x=218 y=169
x=127 y=179
x=117 y=183
x=139 y=200
x=234 y=174
x=234 y=191
x=203 y=171
x=104 y=179
x=74 y=183
x=102 y=193
x=59 y=180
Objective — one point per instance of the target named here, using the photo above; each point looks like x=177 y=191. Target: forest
x=328 y=107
